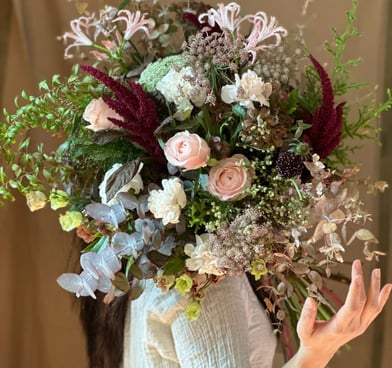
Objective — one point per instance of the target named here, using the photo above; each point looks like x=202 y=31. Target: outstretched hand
x=319 y=340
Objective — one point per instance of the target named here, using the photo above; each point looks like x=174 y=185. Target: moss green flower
x=36 y=200
x=154 y=72
x=58 y=199
x=258 y=268
x=71 y=220
x=184 y=284
x=192 y=311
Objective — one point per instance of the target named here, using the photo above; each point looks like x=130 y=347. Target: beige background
x=38 y=321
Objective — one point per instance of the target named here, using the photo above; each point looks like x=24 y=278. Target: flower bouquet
x=197 y=144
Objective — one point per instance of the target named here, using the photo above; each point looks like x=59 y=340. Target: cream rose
x=187 y=150
x=97 y=113
x=229 y=177
x=167 y=203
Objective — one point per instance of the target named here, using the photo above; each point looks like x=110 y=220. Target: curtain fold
x=39 y=321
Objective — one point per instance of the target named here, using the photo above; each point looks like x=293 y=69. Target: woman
x=229 y=333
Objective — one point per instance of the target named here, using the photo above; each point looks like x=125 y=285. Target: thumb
x=307 y=319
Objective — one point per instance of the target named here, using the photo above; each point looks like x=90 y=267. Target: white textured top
x=232 y=331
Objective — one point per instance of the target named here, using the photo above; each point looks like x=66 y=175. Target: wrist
x=310 y=358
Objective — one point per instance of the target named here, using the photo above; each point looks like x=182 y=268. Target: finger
x=372 y=303
x=374 y=307
x=384 y=295
x=356 y=295
x=306 y=322
x=374 y=289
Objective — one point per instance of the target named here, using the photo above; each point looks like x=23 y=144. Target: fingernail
x=376 y=273
x=309 y=303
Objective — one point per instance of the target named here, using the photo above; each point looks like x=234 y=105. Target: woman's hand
x=319 y=340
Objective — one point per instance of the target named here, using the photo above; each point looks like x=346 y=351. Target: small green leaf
x=130 y=262
x=136 y=271
x=124 y=4
x=157 y=258
x=174 y=266
x=43 y=85
x=136 y=291
x=121 y=282
x=98 y=245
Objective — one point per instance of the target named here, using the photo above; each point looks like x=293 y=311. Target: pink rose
x=187 y=150
x=229 y=177
x=97 y=113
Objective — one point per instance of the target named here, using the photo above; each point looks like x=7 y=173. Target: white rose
x=201 y=258
x=247 y=89
x=176 y=87
x=167 y=203
x=136 y=184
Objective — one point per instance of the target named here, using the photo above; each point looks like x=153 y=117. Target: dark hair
x=103 y=325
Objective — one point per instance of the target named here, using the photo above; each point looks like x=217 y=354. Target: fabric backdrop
x=39 y=325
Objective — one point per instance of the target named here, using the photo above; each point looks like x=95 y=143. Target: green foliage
x=354 y=130
x=57 y=111
x=99 y=157
x=341 y=75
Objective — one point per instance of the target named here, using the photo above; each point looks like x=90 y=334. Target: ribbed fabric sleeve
x=232 y=331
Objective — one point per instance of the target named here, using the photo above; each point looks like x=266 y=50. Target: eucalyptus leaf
x=366 y=235
x=127 y=200
x=299 y=268
x=174 y=266
x=127 y=244
x=156 y=239
x=316 y=279
x=157 y=258
x=121 y=282
x=104 y=213
x=136 y=271
x=136 y=291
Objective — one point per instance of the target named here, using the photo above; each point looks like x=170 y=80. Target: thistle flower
x=289 y=165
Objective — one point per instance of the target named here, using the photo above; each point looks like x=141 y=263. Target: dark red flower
x=327 y=121
x=135 y=106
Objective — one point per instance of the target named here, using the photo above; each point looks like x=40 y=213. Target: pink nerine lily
x=226 y=17
x=263 y=30
x=79 y=33
x=135 y=22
